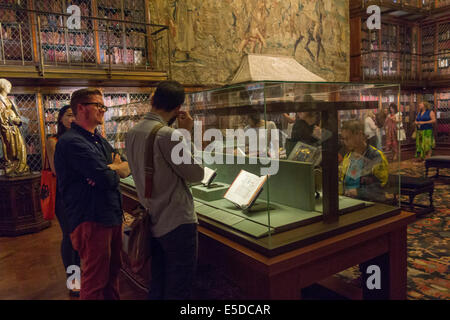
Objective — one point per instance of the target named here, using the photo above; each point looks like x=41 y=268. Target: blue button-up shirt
x=81 y=155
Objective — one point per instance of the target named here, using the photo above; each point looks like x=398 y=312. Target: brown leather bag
x=139 y=242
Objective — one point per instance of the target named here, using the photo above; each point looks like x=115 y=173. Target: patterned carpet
x=428 y=242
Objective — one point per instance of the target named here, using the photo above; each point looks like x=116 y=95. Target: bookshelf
x=408 y=107
x=428 y=37
x=120 y=42
x=15 y=33
x=443 y=49
x=59 y=43
x=124 y=111
x=125 y=42
x=52 y=103
x=442 y=3
x=370 y=45
x=389 y=53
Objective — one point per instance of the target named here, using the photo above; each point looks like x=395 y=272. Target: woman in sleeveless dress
x=68 y=254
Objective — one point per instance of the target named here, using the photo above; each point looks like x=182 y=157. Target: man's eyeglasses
x=97 y=104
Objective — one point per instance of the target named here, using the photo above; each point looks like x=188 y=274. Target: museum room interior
x=351 y=98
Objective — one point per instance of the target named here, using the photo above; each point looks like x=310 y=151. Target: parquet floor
x=31 y=268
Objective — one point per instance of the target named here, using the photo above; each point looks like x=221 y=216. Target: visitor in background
x=68 y=254
x=364 y=169
x=263 y=128
x=424 y=136
x=288 y=121
x=371 y=129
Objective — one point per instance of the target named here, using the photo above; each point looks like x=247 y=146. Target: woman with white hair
x=370 y=128
x=14 y=151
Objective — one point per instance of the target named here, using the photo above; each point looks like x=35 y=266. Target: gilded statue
x=14 y=151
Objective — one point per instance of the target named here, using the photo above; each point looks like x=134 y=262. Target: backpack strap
x=148 y=169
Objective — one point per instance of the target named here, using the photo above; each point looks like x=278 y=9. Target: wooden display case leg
x=381 y=292
x=283 y=286
x=398 y=264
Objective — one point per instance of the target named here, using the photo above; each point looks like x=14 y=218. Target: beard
x=93 y=119
x=171 y=121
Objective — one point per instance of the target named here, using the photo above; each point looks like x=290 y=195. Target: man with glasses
x=88 y=171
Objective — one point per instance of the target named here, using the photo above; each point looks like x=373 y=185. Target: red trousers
x=99 y=248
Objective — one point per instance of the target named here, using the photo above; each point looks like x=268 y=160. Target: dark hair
x=393 y=106
x=354 y=126
x=168 y=95
x=81 y=96
x=427 y=105
x=61 y=128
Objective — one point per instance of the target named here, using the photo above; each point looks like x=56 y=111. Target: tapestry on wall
x=208 y=38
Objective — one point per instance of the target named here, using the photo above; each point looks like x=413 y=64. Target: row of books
x=132 y=39
x=445 y=35
x=8 y=16
x=10 y=32
x=121 y=56
x=55 y=55
x=117 y=128
x=57 y=22
x=109 y=99
x=369 y=98
x=442 y=3
x=443 y=62
x=125 y=111
x=118 y=145
x=444 y=95
x=56 y=103
x=50 y=116
x=50 y=6
x=77 y=39
x=115 y=99
x=51 y=128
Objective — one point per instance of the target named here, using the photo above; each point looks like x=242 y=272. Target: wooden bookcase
x=127 y=105
x=387 y=54
x=443 y=115
x=414 y=53
x=15 y=34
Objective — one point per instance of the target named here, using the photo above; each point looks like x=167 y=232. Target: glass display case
x=289 y=163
